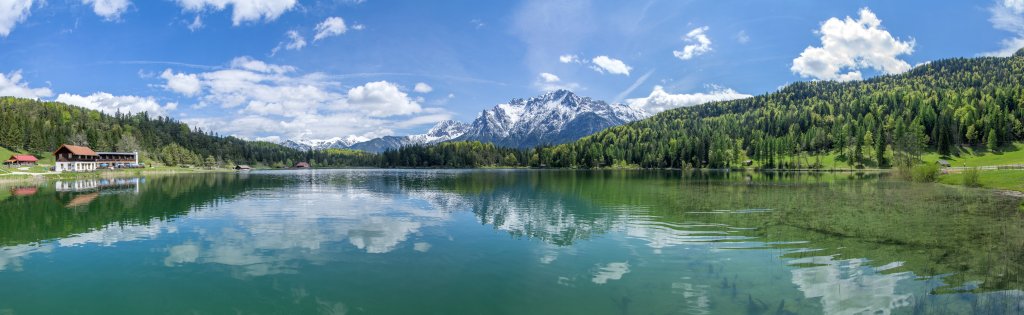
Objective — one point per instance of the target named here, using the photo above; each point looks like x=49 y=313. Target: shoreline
x=15 y=179
x=43 y=177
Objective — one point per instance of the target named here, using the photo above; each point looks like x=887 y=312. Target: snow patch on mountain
x=443 y=131
x=552 y=118
x=555 y=117
x=322 y=144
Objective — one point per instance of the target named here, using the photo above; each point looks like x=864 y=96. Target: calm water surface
x=509 y=242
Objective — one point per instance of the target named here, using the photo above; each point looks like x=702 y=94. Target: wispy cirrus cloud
x=1008 y=15
x=332 y=26
x=295 y=42
x=550 y=28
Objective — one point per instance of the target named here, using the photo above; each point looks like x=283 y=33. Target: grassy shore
x=974 y=157
x=1006 y=179
x=994 y=179
x=21 y=178
x=965 y=157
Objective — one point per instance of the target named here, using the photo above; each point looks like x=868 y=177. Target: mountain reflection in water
x=667 y=241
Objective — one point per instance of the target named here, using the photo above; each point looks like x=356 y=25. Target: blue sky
x=277 y=69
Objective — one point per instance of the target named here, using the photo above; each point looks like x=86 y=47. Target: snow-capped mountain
x=552 y=118
x=556 y=117
x=443 y=131
x=320 y=144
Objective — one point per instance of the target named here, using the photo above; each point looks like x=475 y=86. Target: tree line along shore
x=962 y=110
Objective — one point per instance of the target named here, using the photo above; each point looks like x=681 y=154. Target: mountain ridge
x=551 y=118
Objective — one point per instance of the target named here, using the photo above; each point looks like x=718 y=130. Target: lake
x=509 y=242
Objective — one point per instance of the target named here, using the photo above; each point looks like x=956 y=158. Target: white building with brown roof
x=73 y=158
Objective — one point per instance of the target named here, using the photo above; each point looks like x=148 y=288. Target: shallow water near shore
x=509 y=242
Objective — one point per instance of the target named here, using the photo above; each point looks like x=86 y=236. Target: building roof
x=116 y=153
x=22 y=158
x=82 y=200
x=302 y=164
x=24 y=191
x=77 y=150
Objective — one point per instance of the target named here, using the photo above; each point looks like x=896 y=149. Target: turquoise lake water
x=509 y=242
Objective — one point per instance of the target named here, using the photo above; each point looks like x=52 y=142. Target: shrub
x=924 y=173
x=621 y=164
x=903 y=171
x=971 y=177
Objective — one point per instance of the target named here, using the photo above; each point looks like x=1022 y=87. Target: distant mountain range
x=443 y=131
x=552 y=118
x=332 y=143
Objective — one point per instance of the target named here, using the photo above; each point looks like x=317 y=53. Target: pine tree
x=971 y=134
x=880 y=144
x=993 y=141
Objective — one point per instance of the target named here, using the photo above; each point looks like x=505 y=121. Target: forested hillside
x=940 y=106
x=885 y=121
x=40 y=127
x=459 y=154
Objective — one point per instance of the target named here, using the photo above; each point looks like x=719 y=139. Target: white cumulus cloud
x=184 y=83
x=611 y=65
x=382 y=99
x=263 y=100
x=247 y=63
x=1016 y=5
x=549 y=82
x=11 y=85
x=699 y=44
x=849 y=45
x=332 y=26
x=659 y=100
x=242 y=10
x=13 y=12
x=569 y=59
x=422 y=88
x=549 y=78
x=110 y=104
x=108 y=9
x=267 y=89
